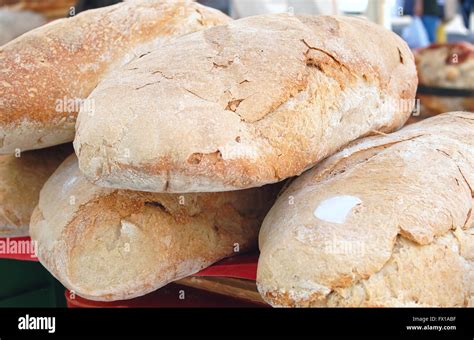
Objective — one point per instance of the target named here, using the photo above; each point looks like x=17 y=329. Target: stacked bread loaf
x=185 y=132
x=47 y=73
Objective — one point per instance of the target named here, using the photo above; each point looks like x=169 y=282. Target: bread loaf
x=448 y=66
x=385 y=222
x=258 y=100
x=47 y=74
x=21 y=179
x=107 y=244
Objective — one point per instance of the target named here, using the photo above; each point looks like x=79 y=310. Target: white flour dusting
x=335 y=209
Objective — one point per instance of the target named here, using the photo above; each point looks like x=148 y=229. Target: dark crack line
x=459 y=169
x=329 y=174
x=196 y=95
x=465 y=181
x=325 y=52
x=162 y=74
x=147 y=84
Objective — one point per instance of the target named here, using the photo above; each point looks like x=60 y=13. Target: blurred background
x=433 y=20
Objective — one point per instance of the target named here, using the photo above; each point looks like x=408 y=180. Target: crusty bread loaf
x=47 y=73
x=108 y=244
x=258 y=100
x=447 y=66
x=385 y=222
x=21 y=179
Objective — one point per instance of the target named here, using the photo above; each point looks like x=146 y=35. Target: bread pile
x=446 y=66
x=183 y=140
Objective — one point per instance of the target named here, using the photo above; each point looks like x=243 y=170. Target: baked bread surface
x=47 y=73
x=21 y=179
x=245 y=104
x=388 y=221
x=108 y=244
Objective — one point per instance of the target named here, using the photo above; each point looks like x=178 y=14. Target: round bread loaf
x=245 y=104
x=385 y=222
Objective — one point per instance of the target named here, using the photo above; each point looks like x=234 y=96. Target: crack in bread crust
x=91 y=45
x=292 y=102
x=118 y=244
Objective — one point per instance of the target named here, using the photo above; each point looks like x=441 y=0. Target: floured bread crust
x=449 y=66
x=21 y=179
x=257 y=100
x=396 y=228
x=45 y=72
x=107 y=244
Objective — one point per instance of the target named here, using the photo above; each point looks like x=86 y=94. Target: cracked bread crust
x=107 y=244
x=65 y=59
x=21 y=179
x=258 y=100
x=407 y=239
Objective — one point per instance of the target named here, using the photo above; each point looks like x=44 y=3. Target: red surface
x=170 y=296
x=240 y=267
x=17 y=248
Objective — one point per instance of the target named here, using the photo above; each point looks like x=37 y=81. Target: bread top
x=108 y=244
x=342 y=223
x=248 y=106
x=48 y=72
x=446 y=65
x=21 y=179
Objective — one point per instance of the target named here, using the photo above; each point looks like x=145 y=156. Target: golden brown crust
x=259 y=100
x=117 y=244
x=46 y=71
x=370 y=226
x=38 y=5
